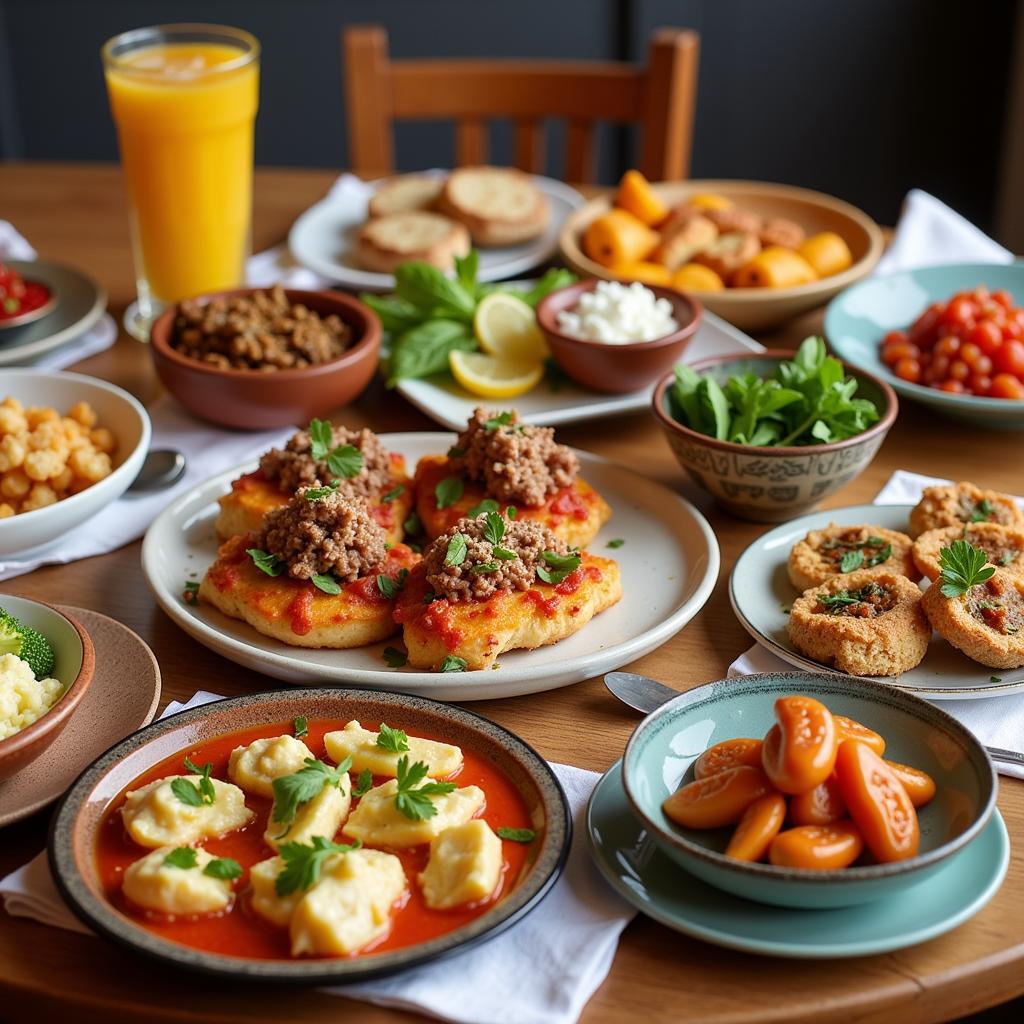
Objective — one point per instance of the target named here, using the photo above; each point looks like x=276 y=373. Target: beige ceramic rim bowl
x=753 y=308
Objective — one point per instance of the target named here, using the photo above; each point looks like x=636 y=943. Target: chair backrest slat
x=579 y=150
x=529 y=145
x=471 y=142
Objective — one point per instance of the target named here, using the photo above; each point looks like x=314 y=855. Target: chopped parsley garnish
x=183 y=857
x=483 y=567
x=316 y=493
x=982 y=511
x=191 y=594
x=345 y=460
x=448 y=491
x=300 y=727
x=503 y=554
x=394 y=740
x=227 y=869
x=325 y=582
x=517 y=835
x=453 y=663
x=457 y=549
x=389 y=586
x=396 y=492
x=364 y=783
x=502 y=419
x=302 y=863
x=270 y=564
x=556 y=567
x=834 y=603
x=306 y=783
x=510 y=512
x=616 y=543
x=412 y=524
x=995 y=679
x=188 y=792
x=487 y=505
x=393 y=657
x=430 y=597
x=962 y=566
x=413 y=800
x=455 y=452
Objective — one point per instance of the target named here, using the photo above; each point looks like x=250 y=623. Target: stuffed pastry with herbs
x=499 y=463
x=318 y=573
x=355 y=460
x=957 y=504
x=1003 y=546
x=836 y=550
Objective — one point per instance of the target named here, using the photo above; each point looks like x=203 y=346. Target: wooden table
x=77 y=214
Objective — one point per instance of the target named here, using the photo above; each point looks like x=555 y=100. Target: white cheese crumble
x=23 y=698
x=618 y=314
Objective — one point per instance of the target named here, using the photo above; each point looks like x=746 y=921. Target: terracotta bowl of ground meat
x=256 y=358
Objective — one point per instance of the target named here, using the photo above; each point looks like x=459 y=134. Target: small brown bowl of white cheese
x=617 y=336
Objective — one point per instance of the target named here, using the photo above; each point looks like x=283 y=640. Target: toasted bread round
x=385 y=242
x=404 y=194
x=890 y=638
x=819 y=556
x=1004 y=546
x=955 y=504
x=499 y=205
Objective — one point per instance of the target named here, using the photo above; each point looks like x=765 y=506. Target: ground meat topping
x=870 y=600
x=998 y=605
x=872 y=550
x=293 y=466
x=517 y=463
x=325 y=535
x=477 y=570
x=983 y=511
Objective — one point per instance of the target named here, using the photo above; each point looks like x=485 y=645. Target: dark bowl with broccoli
x=770 y=435
x=47 y=644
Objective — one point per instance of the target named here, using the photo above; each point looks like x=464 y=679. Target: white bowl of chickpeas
x=69 y=446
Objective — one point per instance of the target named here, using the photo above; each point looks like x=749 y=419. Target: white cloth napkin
x=996 y=721
x=541 y=971
x=207 y=450
x=99 y=337
x=930 y=233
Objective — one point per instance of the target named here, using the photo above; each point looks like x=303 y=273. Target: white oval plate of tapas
x=323 y=238
x=668 y=557
x=761 y=595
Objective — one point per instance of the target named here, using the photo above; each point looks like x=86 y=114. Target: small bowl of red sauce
x=22 y=300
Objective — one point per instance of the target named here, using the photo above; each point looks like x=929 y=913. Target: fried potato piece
x=882 y=634
x=986 y=623
x=819 y=556
x=956 y=504
x=1004 y=546
x=729 y=252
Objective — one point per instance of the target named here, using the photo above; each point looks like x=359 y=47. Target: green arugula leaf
x=448 y=491
x=516 y=835
x=457 y=550
x=364 y=783
x=962 y=566
x=557 y=566
x=270 y=564
x=346 y=460
x=227 y=869
x=303 y=863
x=390 y=587
x=494 y=528
x=487 y=505
x=453 y=663
x=394 y=740
x=413 y=796
x=616 y=543
x=303 y=785
x=328 y=584
x=851 y=560
x=393 y=657
x=316 y=493
x=300 y=727
x=396 y=492
x=183 y=857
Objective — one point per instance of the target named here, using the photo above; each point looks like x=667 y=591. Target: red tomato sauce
x=243 y=933
x=18 y=296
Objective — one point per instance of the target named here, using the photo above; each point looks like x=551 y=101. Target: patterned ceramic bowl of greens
x=770 y=483
x=660 y=755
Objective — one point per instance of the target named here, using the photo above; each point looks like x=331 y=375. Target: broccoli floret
x=26 y=643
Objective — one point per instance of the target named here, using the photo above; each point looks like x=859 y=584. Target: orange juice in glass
x=184 y=100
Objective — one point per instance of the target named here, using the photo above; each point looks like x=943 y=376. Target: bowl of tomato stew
x=91 y=847
x=950 y=337
x=662 y=757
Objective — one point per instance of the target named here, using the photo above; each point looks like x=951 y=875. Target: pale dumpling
x=321 y=816
x=155 y=817
x=156 y=885
x=265 y=900
x=378 y=822
x=350 y=906
x=464 y=866
x=255 y=767
x=442 y=759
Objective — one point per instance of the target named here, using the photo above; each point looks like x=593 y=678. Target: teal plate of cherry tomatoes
x=950 y=337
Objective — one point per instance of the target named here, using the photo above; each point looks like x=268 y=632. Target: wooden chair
x=659 y=97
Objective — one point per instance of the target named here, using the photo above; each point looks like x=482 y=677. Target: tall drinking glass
x=184 y=99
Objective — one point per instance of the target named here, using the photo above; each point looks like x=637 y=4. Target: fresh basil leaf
x=270 y=564
x=851 y=560
x=484 y=567
x=183 y=857
x=391 y=587
x=494 y=528
x=616 y=543
x=187 y=792
x=487 y=505
x=364 y=783
x=428 y=288
x=396 y=492
x=551 y=281
x=557 y=566
x=393 y=657
x=423 y=350
x=516 y=835
x=466 y=270
x=227 y=869
x=453 y=663
x=457 y=549
x=328 y=584
x=396 y=315
x=448 y=491
x=346 y=460
x=503 y=554
x=412 y=525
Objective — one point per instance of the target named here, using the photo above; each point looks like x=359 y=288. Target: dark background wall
x=860 y=98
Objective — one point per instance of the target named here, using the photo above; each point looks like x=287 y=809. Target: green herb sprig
x=516 y=835
x=188 y=792
x=394 y=740
x=343 y=460
x=304 y=861
x=270 y=564
x=556 y=567
x=962 y=566
x=412 y=799
x=292 y=790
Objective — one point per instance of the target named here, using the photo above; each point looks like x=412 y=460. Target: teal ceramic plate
x=646 y=878
x=858 y=318
x=760 y=592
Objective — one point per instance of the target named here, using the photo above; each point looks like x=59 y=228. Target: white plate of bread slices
x=363 y=230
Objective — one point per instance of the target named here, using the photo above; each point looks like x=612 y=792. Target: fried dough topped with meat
x=838 y=550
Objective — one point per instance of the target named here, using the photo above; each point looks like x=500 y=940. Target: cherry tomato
x=895 y=337
x=893 y=353
x=981 y=384
x=1005 y=385
x=1004 y=298
x=718 y=799
x=954 y=387
x=908 y=369
x=958 y=312
x=948 y=345
x=728 y=754
x=1010 y=358
x=920 y=786
x=820 y=806
x=759 y=825
x=877 y=802
x=959 y=370
x=986 y=335
x=800 y=751
x=817 y=847
x=849 y=729
x=924 y=330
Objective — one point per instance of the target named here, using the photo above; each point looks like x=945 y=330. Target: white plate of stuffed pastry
x=448 y=577
x=929 y=598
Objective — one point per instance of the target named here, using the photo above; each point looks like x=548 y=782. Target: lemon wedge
x=506 y=327
x=492 y=377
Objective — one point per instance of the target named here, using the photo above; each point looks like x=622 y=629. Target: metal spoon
x=645 y=694
x=161 y=468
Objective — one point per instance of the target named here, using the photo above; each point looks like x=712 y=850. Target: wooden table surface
x=76 y=214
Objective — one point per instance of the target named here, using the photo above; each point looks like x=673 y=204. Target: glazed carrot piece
x=800 y=751
x=636 y=195
x=878 y=803
x=920 y=786
x=819 y=806
x=759 y=825
x=850 y=730
x=818 y=847
x=718 y=800
x=728 y=754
